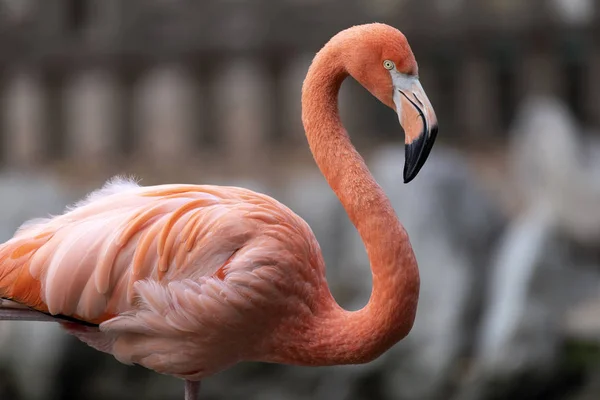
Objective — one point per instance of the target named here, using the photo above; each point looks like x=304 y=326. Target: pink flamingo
x=189 y=280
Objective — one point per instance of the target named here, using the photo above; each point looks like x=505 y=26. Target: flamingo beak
x=418 y=120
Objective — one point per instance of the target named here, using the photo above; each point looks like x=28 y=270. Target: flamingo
x=189 y=280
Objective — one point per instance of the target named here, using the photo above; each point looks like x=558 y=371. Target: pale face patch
x=409 y=97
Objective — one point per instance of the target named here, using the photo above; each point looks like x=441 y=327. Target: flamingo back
x=85 y=263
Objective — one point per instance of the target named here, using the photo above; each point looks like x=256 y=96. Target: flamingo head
x=379 y=57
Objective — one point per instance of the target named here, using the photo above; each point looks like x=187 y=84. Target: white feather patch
x=115 y=185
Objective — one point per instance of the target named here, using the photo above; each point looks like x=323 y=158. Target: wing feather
x=89 y=261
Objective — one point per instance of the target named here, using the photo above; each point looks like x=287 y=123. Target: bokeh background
x=504 y=217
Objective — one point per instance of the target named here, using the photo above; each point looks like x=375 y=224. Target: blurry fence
x=96 y=81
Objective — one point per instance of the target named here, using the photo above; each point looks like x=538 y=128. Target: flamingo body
x=188 y=280
x=181 y=279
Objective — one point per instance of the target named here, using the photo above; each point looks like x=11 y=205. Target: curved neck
x=339 y=336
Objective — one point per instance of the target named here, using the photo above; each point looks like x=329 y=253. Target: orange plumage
x=188 y=280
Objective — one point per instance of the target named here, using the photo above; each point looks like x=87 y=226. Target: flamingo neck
x=338 y=336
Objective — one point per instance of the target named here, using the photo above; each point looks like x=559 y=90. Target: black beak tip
x=416 y=153
x=407 y=177
x=409 y=173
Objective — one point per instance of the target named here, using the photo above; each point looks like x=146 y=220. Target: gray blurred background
x=504 y=217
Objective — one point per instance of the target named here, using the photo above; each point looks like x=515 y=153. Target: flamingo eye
x=387 y=64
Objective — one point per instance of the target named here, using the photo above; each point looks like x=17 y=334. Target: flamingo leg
x=192 y=390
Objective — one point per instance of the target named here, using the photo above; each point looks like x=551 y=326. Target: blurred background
x=504 y=217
